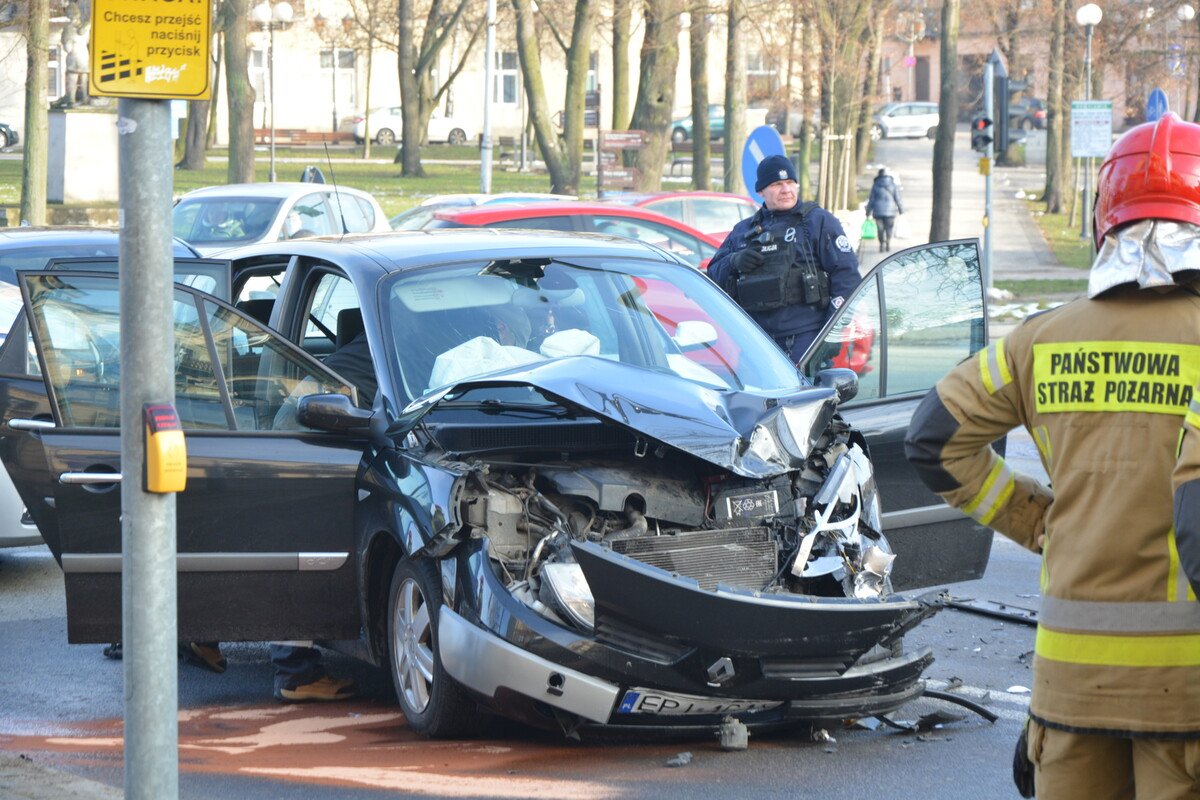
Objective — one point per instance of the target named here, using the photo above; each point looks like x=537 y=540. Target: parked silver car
x=899 y=120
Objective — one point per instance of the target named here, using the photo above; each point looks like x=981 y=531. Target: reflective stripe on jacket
x=1102 y=385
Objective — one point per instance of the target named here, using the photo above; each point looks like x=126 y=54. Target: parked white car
x=219 y=217
x=899 y=120
x=386 y=125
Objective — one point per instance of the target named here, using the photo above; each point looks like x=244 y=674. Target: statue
x=74 y=45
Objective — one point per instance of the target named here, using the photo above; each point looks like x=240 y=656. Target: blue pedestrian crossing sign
x=763 y=141
x=1156 y=105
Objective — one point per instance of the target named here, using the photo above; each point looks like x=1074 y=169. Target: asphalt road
x=63 y=704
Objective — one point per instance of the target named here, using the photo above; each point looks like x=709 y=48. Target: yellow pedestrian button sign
x=151 y=49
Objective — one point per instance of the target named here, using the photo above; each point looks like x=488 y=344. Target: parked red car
x=631 y=223
x=714 y=213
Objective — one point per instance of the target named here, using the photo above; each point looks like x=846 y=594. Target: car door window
x=346 y=211
x=668 y=208
x=334 y=293
x=557 y=223
x=310 y=216
x=688 y=247
x=931 y=299
x=715 y=215
x=230 y=372
x=368 y=213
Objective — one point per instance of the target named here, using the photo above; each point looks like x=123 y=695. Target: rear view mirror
x=334 y=413
x=693 y=333
x=842 y=381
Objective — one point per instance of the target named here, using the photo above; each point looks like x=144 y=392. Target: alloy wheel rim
x=412 y=651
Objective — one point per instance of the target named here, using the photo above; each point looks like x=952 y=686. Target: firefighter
x=790 y=265
x=1102 y=384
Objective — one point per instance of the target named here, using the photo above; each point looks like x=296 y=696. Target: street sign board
x=763 y=141
x=1156 y=105
x=621 y=175
x=622 y=140
x=151 y=49
x=1091 y=128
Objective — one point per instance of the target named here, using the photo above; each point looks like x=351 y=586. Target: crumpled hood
x=1149 y=252
x=753 y=434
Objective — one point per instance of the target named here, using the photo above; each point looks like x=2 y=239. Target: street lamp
x=1088 y=17
x=266 y=14
x=332 y=35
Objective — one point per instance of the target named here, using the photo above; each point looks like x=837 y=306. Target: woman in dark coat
x=884 y=204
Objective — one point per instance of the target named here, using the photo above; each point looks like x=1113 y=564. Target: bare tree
x=870 y=88
x=36 y=154
x=371 y=28
x=622 y=24
x=199 y=115
x=1053 y=193
x=235 y=22
x=808 y=47
x=656 y=89
x=419 y=47
x=698 y=58
x=943 y=146
x=735 y=93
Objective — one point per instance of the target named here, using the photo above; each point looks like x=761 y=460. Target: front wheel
x=457 y=136
x=385 y=137
x=876 y=133
x=433 y=703
x=679 y=135
x=931 y=133
x=1026 y=124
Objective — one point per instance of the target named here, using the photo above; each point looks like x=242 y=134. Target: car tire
x=457 y=136
x=1026 y=124
x=679 y=135
x=385 y=136
x=931 y=133
x=876 y=133
x=434 y=704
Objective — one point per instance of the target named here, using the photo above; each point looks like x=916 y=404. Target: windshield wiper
x=493 y=405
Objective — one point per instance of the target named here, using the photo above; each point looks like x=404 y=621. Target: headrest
x=349 y=325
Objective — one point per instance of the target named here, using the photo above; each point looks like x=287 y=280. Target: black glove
x=1022 y=767
x=748 y=259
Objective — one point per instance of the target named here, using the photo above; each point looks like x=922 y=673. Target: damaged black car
x=561 y=477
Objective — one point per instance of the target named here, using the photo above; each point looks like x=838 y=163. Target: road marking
x=1005 y=704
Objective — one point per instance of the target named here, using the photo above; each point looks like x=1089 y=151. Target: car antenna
x=336 y=193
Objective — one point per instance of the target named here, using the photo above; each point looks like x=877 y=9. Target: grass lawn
x=1036 y=289
x=1063 y=239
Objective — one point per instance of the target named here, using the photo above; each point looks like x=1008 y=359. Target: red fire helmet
x=1152 y=172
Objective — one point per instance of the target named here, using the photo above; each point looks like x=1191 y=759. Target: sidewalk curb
x=23 y=779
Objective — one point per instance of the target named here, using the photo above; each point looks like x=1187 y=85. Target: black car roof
x=396 y=251
x=69 y=235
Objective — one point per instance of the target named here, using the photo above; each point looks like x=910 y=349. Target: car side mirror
x=842 y=381
x=693 y=333
x=335 y=413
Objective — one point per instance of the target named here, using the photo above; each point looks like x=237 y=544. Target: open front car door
x=265 y=526
x=914 y=317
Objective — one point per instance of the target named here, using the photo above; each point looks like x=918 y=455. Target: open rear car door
x=265 y=527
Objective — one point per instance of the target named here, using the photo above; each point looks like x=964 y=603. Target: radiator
x=743 y=557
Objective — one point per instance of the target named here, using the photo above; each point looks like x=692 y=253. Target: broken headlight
x=566 y=591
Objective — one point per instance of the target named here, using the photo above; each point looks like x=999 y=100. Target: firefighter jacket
x=817 y=232
x=1187 y=499
x=1102 y=385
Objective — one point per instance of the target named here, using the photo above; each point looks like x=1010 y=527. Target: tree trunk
x=698 y=57
x=241 y=94
x=366 y=151
x=219 y=47
x=1053 y=194
x=410 y=94
x=622 y=23
x=735 y=95
x=36 y=152
x=529 y=53
x=808 y=46
x=195 y=143
x=943 y=146
x=578 y=56
x=652 y=111
x=870 y=87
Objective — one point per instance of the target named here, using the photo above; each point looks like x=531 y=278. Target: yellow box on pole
x=166 y=450
x=151 y=49
x=985 y=166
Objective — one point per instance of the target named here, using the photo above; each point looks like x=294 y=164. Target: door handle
x=31 y=424
x=89 y=478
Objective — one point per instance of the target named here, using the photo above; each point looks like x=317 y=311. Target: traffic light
x=981 y=133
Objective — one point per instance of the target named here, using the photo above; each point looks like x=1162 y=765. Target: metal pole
x=271 y=89
x=489 y=57
x=1085 y=222
x=912 y=61
x=148 y=588
x=989 y=79
x=335 y=72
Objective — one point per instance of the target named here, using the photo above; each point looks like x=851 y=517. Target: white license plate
x=646 y=701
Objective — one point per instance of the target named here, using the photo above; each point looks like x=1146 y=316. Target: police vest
x=790 y=274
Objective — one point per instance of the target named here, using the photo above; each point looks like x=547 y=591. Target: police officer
x=1102 y=384
x=790 y=265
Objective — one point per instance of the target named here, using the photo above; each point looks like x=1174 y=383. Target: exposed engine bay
x=815 y=530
